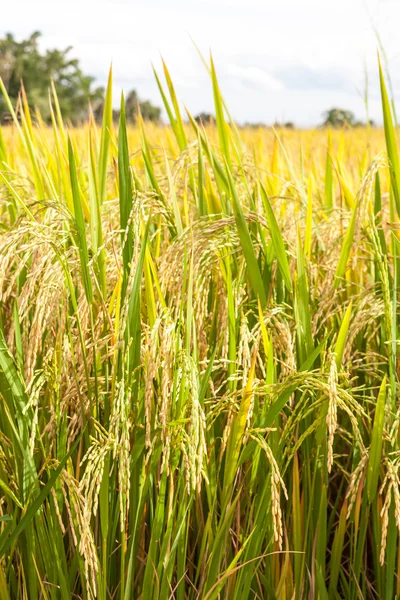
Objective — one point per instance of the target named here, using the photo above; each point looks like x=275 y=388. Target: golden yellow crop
x=199 y=388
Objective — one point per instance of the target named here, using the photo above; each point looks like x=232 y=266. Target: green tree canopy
x=148 y=111
x=24 y=62
x=339 y=117
x=133 y=105
x=204 y=118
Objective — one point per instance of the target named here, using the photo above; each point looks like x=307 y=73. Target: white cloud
x=253 y=77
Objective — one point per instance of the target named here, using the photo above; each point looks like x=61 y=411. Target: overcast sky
x=275 y=59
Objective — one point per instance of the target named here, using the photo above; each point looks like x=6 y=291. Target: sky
x=276 y=60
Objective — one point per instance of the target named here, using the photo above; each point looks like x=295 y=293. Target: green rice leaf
x=375 y=451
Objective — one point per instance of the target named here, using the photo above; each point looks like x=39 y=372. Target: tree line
x=334 y=117
x=23 y=62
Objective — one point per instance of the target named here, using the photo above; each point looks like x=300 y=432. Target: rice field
x=199 y=387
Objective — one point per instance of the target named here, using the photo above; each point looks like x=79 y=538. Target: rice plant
x=198 y=358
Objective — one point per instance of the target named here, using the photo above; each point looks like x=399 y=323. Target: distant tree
x=148 y=111
x=131 y=105
x=285 y=125
x=204 y=118
x=23 y=61
x=253 y=125
x=338 y=117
